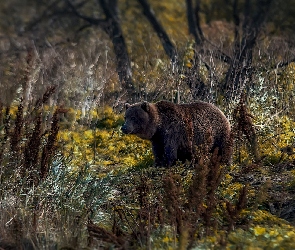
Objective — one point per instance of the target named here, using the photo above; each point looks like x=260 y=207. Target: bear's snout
x=124 y=129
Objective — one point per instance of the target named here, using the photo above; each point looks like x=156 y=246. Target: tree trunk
x=193 y=80
x=240 y=72
x=111 y=25
x=193 y=20
x=113 y=29
x=164 y=38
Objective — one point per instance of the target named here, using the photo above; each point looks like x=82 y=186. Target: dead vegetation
x=151 y=207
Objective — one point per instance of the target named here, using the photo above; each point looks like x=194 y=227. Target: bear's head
x=140 y=120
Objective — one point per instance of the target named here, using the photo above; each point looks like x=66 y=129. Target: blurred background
x=109 y=51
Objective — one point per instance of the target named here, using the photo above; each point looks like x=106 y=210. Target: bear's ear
x=145 y=106
x=127 y=105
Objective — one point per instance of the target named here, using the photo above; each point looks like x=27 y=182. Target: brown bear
x=175 y=129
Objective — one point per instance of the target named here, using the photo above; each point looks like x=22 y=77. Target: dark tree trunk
x=197 y=86
x=164 y=38
x=240 y=72
x=111 y=25
x=113 y=29
x=194 y=21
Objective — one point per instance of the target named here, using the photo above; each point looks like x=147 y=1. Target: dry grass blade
x=173 y=193
x=48 y=150
x=49 y=91
x=233 y=211
x=244 y=125
x=17 y=133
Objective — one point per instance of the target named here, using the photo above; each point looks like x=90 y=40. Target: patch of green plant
x=57 y=210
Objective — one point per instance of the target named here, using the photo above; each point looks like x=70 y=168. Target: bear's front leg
x=158 y=151
x=170 y=155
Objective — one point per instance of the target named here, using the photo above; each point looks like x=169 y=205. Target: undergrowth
x=70 y=182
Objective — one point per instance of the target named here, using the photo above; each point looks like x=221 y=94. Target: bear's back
x=202 y=116
x=195 y=110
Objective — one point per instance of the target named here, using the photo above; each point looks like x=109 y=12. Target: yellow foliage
x=274 y=143
x=259 y=230
x=287 y=79
x=102 y=147
x=265 y=217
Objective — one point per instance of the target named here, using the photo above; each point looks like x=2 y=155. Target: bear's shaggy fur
x=175 y=129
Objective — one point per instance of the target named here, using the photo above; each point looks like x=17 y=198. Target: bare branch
x=91 y=20
x=218 y=54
